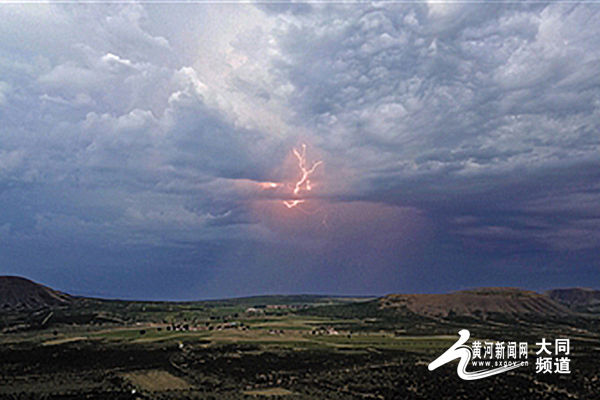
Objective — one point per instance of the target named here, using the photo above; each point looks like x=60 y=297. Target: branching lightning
x=304 y=179
x=292 y=203
x=302 y=184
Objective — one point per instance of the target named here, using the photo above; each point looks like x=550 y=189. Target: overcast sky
x=459 y=147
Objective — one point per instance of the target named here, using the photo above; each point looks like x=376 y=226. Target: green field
x=320 y=350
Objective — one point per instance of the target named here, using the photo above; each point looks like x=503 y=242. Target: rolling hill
x=477 y=303
x=580 y=299
x=18 y=293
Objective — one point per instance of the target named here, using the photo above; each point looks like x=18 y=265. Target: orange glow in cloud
x=268 y=185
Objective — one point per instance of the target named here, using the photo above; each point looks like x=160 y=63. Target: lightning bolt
x=302 y=184
x=292 y=203
x=304 y=179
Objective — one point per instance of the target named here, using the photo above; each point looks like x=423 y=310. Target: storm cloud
x=459 y=146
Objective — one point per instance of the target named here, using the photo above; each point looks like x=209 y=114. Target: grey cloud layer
x=437 y=105
x=145 y=124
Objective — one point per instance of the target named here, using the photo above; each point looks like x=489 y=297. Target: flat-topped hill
x=576 y=296
x=477 y=302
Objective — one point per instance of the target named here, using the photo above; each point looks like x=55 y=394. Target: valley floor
x=288 y=356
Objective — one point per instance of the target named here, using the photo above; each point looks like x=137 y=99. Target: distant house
x=278 y=306
x=254 y=311
x=331 y=331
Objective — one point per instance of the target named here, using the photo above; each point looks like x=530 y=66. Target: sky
x=147 y=150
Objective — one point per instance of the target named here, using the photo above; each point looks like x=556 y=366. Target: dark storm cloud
x=468 y=131
x=458 y=109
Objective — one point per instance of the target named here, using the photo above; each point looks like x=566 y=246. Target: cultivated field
x=318 y=349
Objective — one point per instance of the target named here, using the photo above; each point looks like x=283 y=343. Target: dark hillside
x=18 y=293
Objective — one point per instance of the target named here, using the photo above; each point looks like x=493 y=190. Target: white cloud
x=5 y=90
